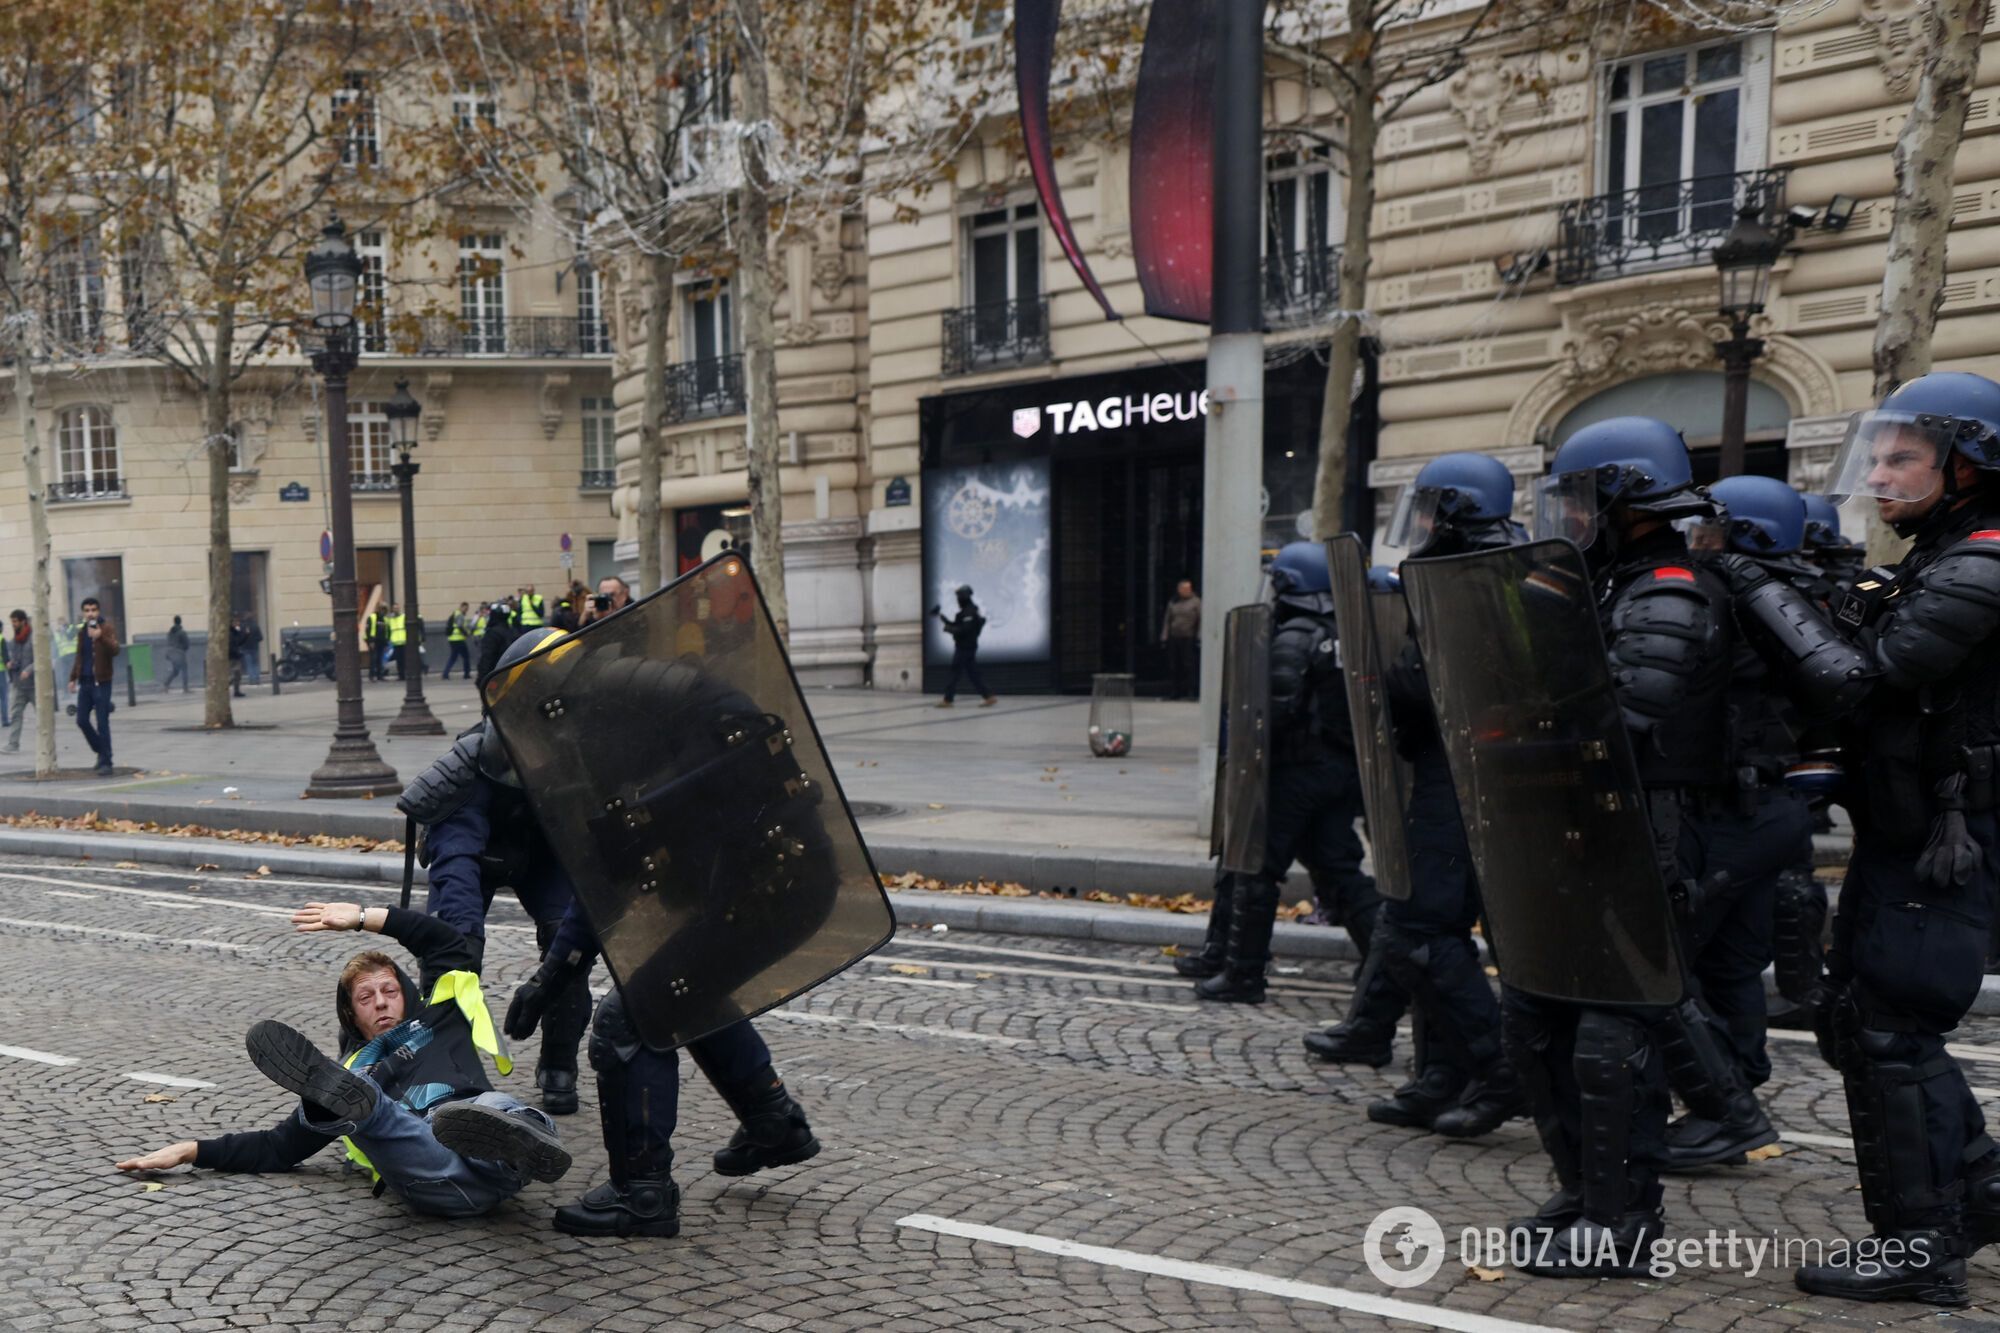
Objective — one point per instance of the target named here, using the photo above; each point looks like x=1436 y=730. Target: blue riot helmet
x=1822 y=522
x=1453 y=495
x=494 y=761
x=1899 y=451
x=1635 y=463
x=1765 y=516
x=1300 y=578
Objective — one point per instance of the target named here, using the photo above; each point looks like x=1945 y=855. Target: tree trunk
x=215 y=711
x=760 y=342
x=659 y=282
x=1344 y=356
x=1926 y=157
x=40 y=591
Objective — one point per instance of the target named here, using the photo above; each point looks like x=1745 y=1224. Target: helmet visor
x=1705 y=532
x=1892 y=456
x=1566 y=506
x=1415 y=519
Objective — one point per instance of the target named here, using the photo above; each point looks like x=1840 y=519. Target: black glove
x=536 y=995
x=1951 y=855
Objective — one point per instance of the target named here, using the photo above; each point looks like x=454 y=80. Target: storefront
x=1072 y=507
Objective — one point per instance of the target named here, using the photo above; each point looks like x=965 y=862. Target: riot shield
x=1545 y=776
x=1373 y=627
x=1243 y=781
x=672 y=763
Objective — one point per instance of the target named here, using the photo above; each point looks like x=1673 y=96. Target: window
x=482 y=293
x=141 y=274
x=76 y=295
x=711 y=324
x=372 y=309
x=1003 y=322
x=99 y=576
x=87 y=462
x=235 y=437
x=368 y=454
x=593 y=334
x=600 y=444
x=355 y=121
x=474 y=110
x=1675 y=118
x=707 y=83
x=1301 y=269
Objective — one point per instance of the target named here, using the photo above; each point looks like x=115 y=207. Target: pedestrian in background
x=377 y=635
x=177 y=657
x=457 y=631
x=237 y=650
x=1180 y=631
x=90 y=681
x=964 y=629
x=253 y=648
x=17 y=652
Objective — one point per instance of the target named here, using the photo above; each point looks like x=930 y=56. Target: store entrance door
x=1127 y=530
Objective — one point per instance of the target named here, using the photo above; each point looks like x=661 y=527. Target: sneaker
x=291 y=1061
x=989 y=701
x=944 y=703
x=493 y=1135
x=104 y=769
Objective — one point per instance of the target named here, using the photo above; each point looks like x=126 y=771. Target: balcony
x=371 y=483
x=701 y=389
x=996 y=336
x=598 y=479
x=544 y=336
x=75 y=490
x=1674 y=224
x=1301 y=286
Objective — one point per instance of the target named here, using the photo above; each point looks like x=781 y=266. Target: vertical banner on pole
x=1034 y=64
x=1173 y=157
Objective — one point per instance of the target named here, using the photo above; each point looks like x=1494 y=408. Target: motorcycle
x=303 y=660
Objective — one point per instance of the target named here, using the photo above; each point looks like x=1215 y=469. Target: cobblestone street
x=988 y=1103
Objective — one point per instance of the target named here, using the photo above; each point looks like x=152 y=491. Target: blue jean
x=94 y=700
x=425 y=1174
x=461 y=655
x=251 y=672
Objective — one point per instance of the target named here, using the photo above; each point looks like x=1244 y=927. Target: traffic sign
x=569 y=560
x=565 y=545
x=325 y=545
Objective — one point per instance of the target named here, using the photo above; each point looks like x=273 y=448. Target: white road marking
x=1098 y=978
x=166 y=1080
x=1141 y=1004
x=801 y=1016
x=1288 y=985
x=126 y=934
x=39 y=1057
x=926 y=981
x=59 y=893
x=167 y=898
x=1214 y=1275
x=1816 y=1140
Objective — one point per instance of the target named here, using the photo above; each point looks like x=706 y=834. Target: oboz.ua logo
x=1083 y=416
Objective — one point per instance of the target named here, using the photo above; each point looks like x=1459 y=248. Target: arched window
x=1691 y=402
x=87 y=463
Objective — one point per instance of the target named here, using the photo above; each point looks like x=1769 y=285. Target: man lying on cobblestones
x=409 y=1096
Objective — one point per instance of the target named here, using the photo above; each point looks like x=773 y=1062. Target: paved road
x=987 y=1102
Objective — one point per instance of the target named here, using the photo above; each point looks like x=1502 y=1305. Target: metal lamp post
x=416 y=718
x=352 y=767
x=1743 y=261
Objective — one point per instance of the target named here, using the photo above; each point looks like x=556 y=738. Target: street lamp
x=415 y=719
x=1743 y=262
x=333 y=273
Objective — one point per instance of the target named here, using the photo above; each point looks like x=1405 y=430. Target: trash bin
x=1110 y=716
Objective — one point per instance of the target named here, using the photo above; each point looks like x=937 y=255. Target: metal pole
x=1233 y=447
x=352 y=767
x=1737 y=355
x=416 y=718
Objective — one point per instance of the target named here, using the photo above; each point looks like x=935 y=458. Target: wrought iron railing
x=998 y=334
x=371 y=483
x=496 y=335
x=1300 y=285
x=598 y=479
x=71 y=489
x=1669 y=225
x=709 y=388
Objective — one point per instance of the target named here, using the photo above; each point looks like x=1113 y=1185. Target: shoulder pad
x=441 y=790
x=1970 y=570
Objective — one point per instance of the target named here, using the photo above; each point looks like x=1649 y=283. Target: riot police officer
x=1916 y=907
x=1314 y=793
x=1839 y=559
x=1462 y=1084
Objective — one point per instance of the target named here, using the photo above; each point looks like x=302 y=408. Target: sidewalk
x=1005 y=793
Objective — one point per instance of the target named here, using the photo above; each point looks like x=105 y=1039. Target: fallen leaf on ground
x=1765 y=1153
x=92 y=822
x=153 y=1097
x=126 y=865
x=909 y=970
x=982 y=976
x=937 y=805
x=1170 y=951
x=263 y=870
x=206 y=865
x=152 y=1187
x=1486 y=1274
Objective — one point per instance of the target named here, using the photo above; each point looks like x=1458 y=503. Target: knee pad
x=614 y=1042
x=1610 y=1049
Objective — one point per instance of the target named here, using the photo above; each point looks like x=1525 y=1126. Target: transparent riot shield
x=677 y=773
x=1545 y=776
x=1243 y=779
x=1373 y=627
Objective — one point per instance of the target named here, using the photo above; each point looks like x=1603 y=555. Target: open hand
x=328 y=916
x=163 y=1159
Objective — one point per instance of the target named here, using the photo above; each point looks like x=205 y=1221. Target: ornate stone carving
x=1899 y=41
x=437 y=397
x=254 y=412
x=555 y=388
x=1477 y=94
x=829 y=265
x=1625 y=343
x=798 y=333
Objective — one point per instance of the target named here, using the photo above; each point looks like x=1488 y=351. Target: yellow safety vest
x=462 y=988
x=479 y=628
x=531 y=611
x=397 y=634
x=455 y=631
x=369 y=630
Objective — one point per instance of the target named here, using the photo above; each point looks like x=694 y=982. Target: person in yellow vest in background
x=409 y=1095
x=375 y=631
x=399 y=639
x=533 y=614
x=458 y=632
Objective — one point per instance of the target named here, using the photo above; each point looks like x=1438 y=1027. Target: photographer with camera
x=90 y=681
x=612 y=596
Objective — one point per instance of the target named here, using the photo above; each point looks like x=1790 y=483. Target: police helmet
x=1300 y=578
x=1454 y=490
x=1899 y=450
x=1822 y=522
x=1765 y=516
x=494 y=761
x=1638 y=462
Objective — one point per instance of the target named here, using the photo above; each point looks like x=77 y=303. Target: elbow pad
x=442 y=790
x=1827 y=672
x=1954 y=608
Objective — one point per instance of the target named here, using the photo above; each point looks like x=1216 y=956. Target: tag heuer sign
x=294 y=493
x=1027 y=421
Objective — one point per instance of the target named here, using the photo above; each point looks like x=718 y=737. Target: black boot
x=641 y=1198
x=1415 y=1105
x=1927 y=1267
x=563 y=1026
x=471 y=1130
x=1215 y=944
x=1492 y=1099
x=1591 y=1249
x=1355 y=1042
x=625 y=1206
x=1724 y=1120
x=329 y=1093
x=1981 y=1217
x=773 y=1129
x=1253 y=915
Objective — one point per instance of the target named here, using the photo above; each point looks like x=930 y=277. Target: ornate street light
x=1743 y=262
x=352 y=767
x=416 y=718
